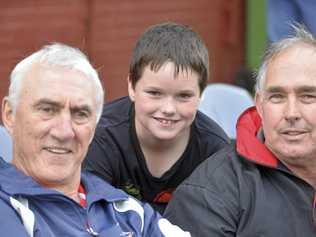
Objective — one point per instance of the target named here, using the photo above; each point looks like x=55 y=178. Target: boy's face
x=165 y=105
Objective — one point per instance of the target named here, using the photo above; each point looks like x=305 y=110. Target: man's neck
x=67 y=187
x=305 y=172
x=74 y=195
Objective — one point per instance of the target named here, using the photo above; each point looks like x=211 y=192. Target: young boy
x=149 y=142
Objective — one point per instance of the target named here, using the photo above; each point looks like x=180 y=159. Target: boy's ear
x=8 y=116
x=131 y=91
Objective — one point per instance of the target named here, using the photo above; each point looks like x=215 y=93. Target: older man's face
x=53 y=125
x=287 y=106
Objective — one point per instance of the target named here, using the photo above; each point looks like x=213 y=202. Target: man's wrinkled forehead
x=56 y=83
x=293 y=63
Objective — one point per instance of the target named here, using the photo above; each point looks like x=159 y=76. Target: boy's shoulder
x=206 y=126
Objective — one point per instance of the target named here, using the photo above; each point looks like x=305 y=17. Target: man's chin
x=293 y=154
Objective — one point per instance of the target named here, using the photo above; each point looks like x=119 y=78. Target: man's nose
x=292 y=110
x=63 y=128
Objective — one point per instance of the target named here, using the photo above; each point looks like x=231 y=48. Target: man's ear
x=258 y=102
x=131 y=91
x=8 y=116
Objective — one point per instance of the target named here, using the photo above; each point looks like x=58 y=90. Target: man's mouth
x=293 y=133
x=58 y=150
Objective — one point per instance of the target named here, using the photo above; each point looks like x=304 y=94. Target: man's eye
x=308 y=98
x=81 y=116
x=276 y=98
x=47 y=110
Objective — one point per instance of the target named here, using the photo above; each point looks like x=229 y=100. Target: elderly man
x=55 y=100
x=265 y=184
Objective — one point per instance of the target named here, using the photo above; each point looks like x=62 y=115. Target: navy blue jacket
x=28 y=209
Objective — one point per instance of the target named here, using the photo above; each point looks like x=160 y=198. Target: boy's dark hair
x=170 y=42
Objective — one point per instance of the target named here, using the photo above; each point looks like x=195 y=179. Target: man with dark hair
x=149 y=142
x=264 y=185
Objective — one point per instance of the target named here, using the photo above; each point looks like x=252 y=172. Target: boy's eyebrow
x=186 y=91
x=152 y=87
x=159 y=88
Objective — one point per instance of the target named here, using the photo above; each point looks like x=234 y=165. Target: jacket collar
x=13 y=182
x=98 y=189
x=247 y=142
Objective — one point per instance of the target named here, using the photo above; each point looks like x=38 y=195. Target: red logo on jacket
x=164 y=196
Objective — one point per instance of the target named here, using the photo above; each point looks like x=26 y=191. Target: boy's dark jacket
x=115 y=154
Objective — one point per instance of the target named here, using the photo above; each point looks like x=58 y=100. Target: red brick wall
x=107 y=31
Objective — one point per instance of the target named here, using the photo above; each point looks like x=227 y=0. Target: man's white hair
x=56 y=54
x=301 y=36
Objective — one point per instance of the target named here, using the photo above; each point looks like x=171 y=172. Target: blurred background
x=106 y=30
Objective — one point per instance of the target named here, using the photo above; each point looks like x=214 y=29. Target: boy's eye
x=154 y=93
x=185 y=96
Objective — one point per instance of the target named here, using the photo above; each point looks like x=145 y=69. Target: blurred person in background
x=281 y=14
x=224 y=103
